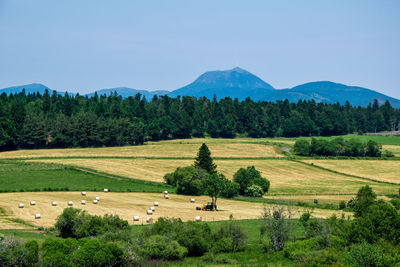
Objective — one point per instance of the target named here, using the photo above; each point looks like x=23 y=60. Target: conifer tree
x=204 y=160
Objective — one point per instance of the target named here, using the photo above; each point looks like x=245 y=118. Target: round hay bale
x=198 y=219
x=135 y=218
x=83 y=193
x=33 y=203
x=149 y=212
x=149 y=220
x=105 y=190
x=166 y=196
x=37 y=216
x=153 y=208
x=21 y=205
x=95 y=201
x=54 y=203
x=70 y=203
x=165 y=192
x=97 y=198
x=192 y=200
x=83 y=202
x=155 y=204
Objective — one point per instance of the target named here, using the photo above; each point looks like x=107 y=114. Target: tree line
x=339 y=147
x=52 y=120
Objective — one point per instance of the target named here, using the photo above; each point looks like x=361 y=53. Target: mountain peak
x=235 y=83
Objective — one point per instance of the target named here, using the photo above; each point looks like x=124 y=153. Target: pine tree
x=204 y=160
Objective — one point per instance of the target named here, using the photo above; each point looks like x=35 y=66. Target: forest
x=55 y=121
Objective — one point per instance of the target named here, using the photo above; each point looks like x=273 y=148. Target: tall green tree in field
x=204 y=160
x=214 y=184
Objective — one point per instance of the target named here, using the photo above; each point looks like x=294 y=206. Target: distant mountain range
x=239 y=83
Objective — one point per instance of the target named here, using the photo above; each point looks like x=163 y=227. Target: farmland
x=127 y=205
x=141 y=169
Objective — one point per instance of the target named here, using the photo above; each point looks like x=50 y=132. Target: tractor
x=208 y=206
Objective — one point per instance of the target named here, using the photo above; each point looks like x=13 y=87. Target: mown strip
x=344 y=174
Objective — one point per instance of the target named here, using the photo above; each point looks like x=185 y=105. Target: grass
x=127 y=205
x=380 y=170
x=29 y=176
x=24 y=235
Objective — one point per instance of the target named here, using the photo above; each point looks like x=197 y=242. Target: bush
x=396 y=203
x=231 y=189
x=248 y=177
x=186 y=179
x=254 y=191
x=365 y=254
x=302 y=148
x=78 y=224
x=161 y=247
x=388 y=154
x=342 y=205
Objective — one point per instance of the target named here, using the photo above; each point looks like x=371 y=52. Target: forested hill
x=40 y=121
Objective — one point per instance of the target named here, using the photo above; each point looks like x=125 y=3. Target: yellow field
x=335 y=199
x=127 y=205
x=285 y=176
x=394 y=149
x=176 y=148
x=382 y=170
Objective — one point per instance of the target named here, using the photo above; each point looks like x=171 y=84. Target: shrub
x=249 y=176
x=230 y=190
x=254 y=191
x=302 y=148
x=161 y=247
x=396 y=203
x=342 y=205
x=388 y=154
x=186 y=179
x=365 y=254
x=315 y=201
x=78 y=224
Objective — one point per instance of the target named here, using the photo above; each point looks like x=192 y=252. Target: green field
x=21 y=176
x=383 y=140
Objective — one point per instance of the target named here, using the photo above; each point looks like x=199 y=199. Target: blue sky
x=87 y=45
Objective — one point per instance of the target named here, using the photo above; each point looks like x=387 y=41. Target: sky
x=82 y=46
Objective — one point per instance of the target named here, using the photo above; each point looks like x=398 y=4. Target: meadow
x=141 y=169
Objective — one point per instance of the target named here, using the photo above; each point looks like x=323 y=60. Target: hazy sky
x=85 y=45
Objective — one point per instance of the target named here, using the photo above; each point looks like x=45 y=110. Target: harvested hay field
x=381 y=170
x=392 y=148
x=296 y=178
x=144 y=169
x=334 y=199
x=286 y=176
x=127 y=205
x=164 y=149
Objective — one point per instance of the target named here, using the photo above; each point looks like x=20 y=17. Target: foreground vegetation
x=370 y=239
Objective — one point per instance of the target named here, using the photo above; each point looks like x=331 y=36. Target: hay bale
x=54 y=203
x=149 y=220
x=97 y=198
x=153 y=208
x=149 y=212
x=198 y=219
x=105 y=190
x=135 y=218
x=83 y=193
x=165 y=192
x=166 y=196
x=192 y=200
x=155 y=204
x=33 y=203
x=83 y=202
x=37 y=216
x=21 y=205
x=70 y=203
x=95 y=201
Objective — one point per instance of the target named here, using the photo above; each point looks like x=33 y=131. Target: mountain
x=126 y=92
x=236 y=82
x=29 y=89
x=330 y=92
